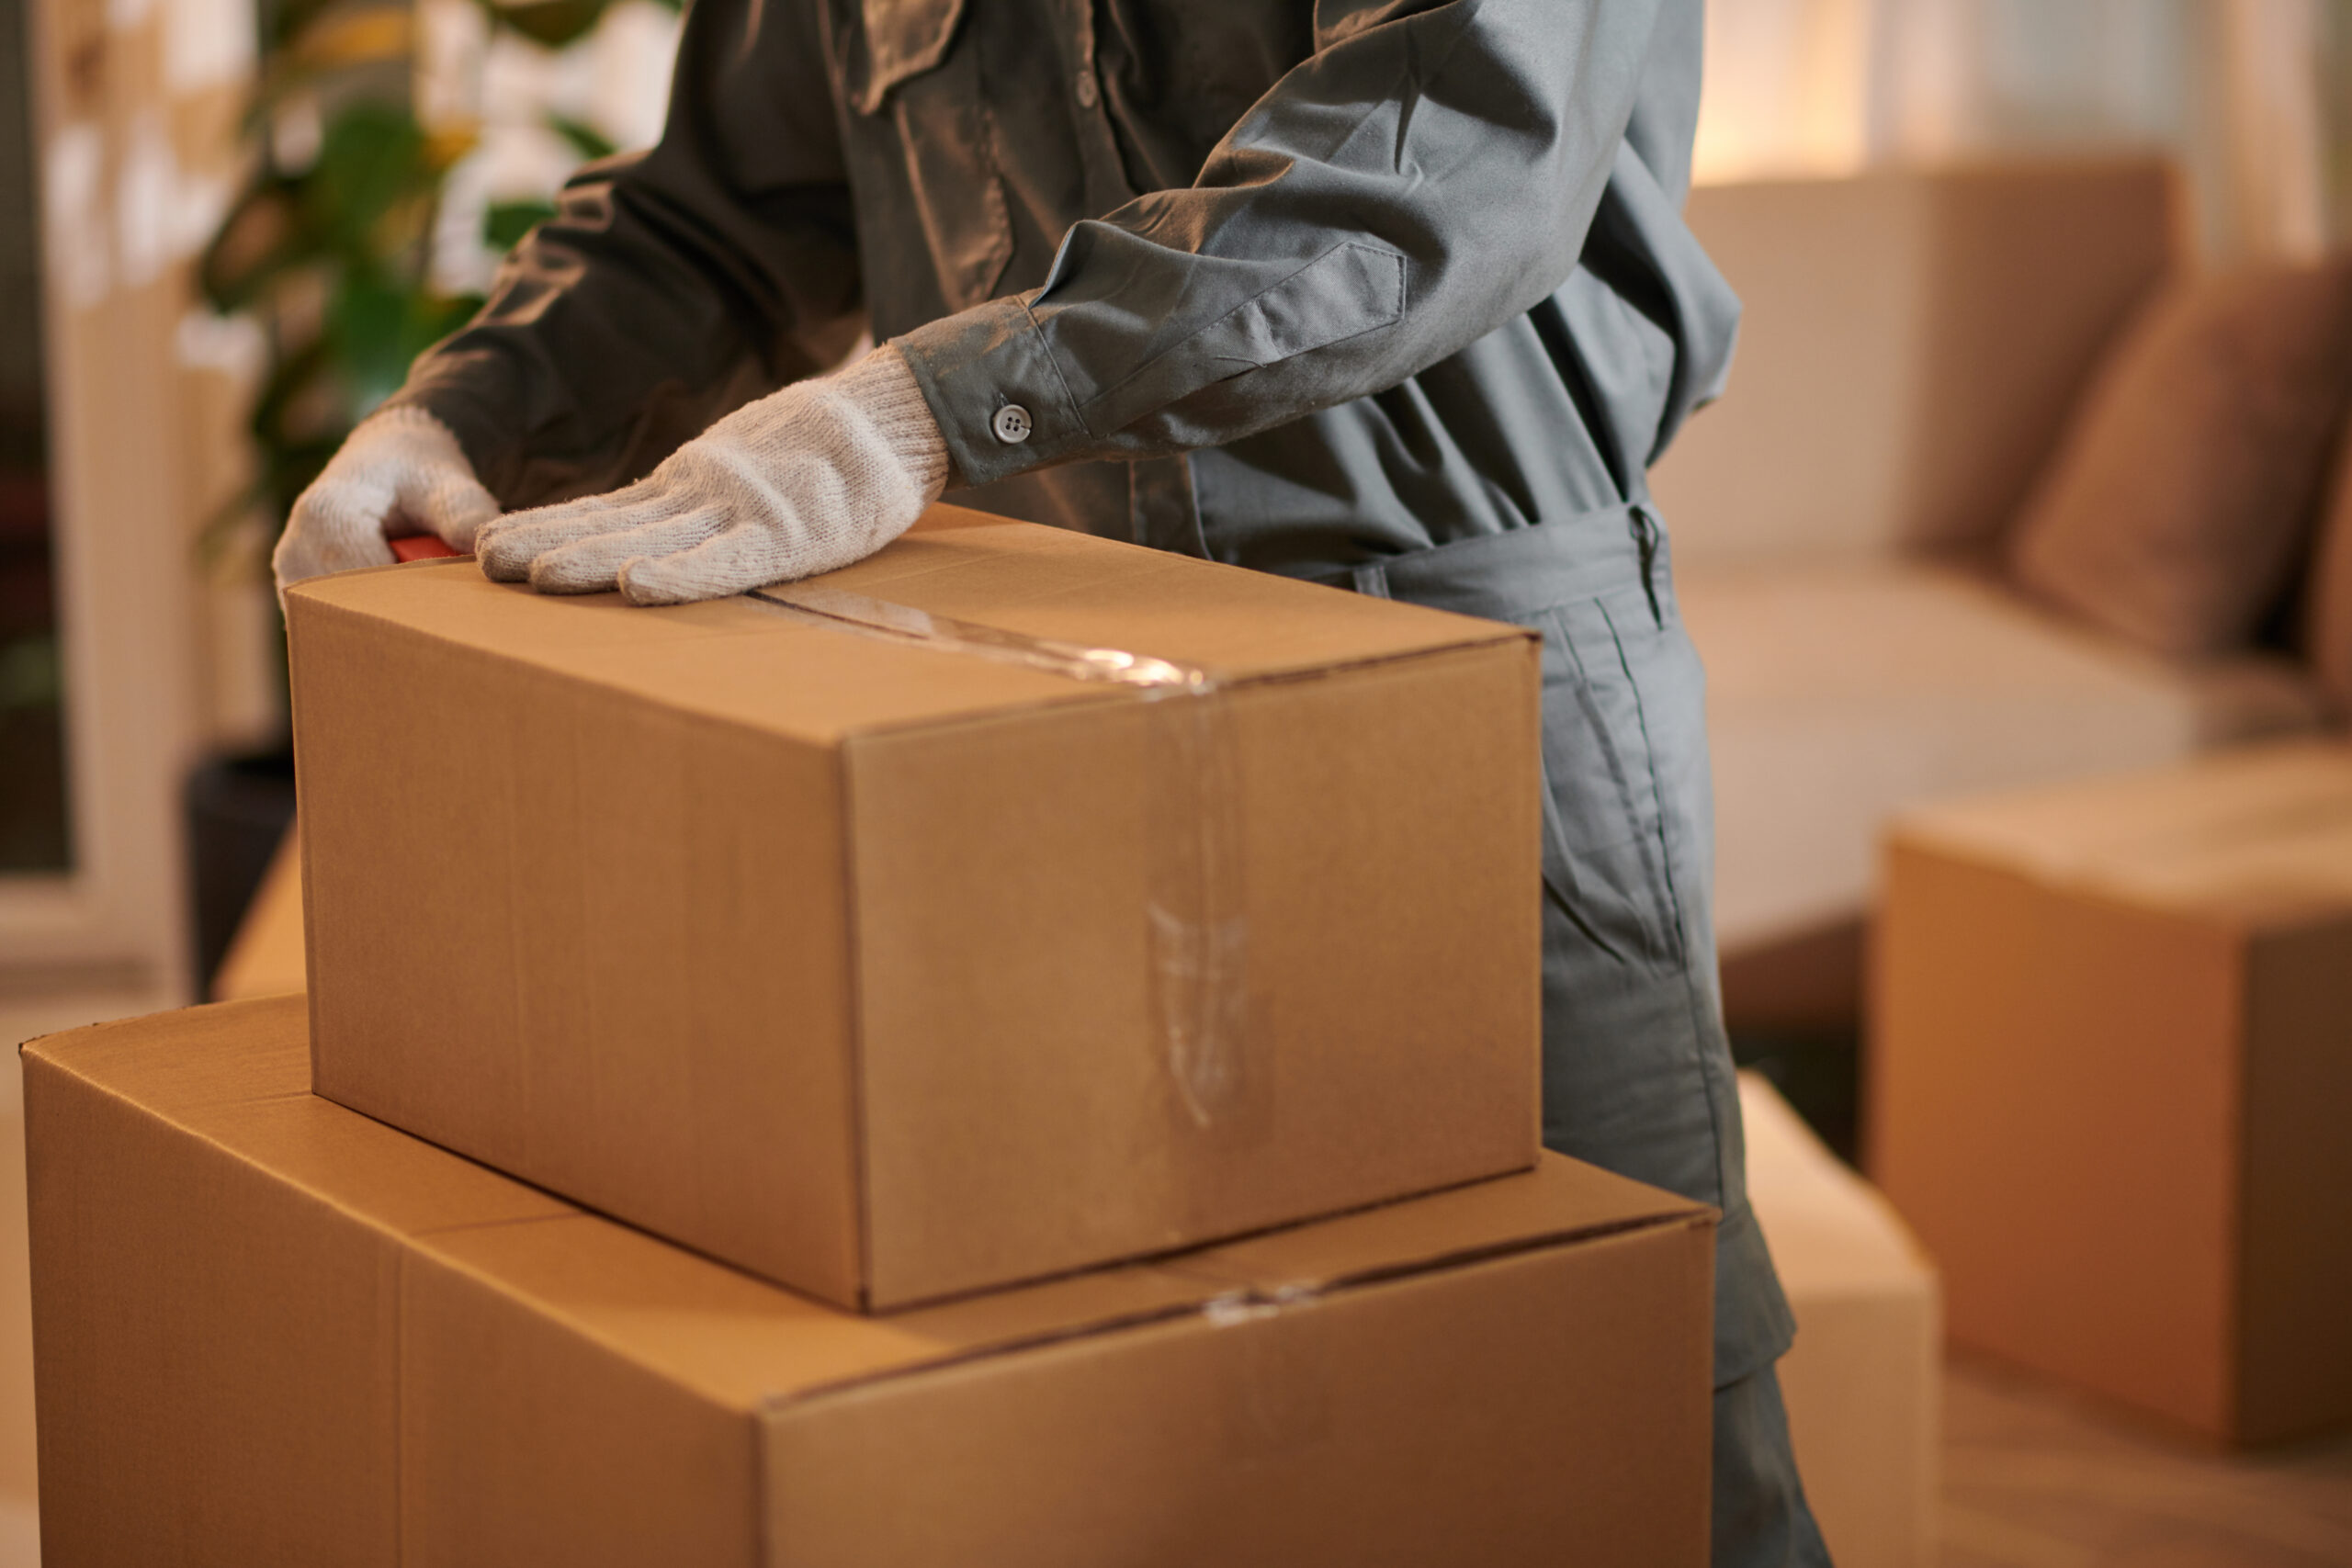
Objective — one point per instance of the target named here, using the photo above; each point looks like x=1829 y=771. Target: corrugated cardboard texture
x=265 y=957
x=2110 y=1082
x=828 y=954
x=269 y=1330
x=2294 y=1358
x=1863 y=1382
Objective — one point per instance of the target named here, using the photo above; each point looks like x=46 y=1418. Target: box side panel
x=583 y=938
x=1374 y=831
x=2054 y=1094
x=2295 y=1359
x=213 y=1349
x=1544 y=1408
x=1861 y=1384
x=1392 y=820
x=523 y=1442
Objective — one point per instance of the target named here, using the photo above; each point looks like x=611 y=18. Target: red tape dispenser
x=420 y=546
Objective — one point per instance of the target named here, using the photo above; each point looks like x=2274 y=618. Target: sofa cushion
x=2327 y=628
x=2174 y=508
x=1838 y=693
x=1911 y=342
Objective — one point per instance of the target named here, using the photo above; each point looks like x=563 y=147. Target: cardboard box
x=1864 y=1381
x=271 y=1331
x=897 y=966
x=264 y=958
x=2111 y=1075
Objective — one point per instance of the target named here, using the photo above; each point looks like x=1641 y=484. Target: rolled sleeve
x=978 y=363
x=1428 y=174
x=672 y=285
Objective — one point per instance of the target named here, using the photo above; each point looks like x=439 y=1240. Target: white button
x=1087 y=91
x=1012 y=425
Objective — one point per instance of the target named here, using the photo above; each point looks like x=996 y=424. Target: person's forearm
x=1410 y=188
x=672 y=286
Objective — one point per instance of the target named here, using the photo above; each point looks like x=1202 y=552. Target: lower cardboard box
x=270 y=1330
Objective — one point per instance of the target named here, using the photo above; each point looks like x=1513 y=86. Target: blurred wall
x=137 y=104
x=168 y=650
x=2249 y=95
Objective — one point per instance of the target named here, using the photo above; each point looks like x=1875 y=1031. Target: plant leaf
x=554 y=23
x=371 y=158
x=586 y=139
x=506 y=222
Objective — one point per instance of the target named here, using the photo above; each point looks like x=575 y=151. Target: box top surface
x=2259 y=834
x=780 y=668
x=237 y=1076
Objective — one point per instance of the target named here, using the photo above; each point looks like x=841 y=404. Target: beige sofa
x=1912 y=345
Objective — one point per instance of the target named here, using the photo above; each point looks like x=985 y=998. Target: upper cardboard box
x=871 y=948
x=273 y=1331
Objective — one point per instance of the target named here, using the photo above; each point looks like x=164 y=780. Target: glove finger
x=507 y=546
x=451 y=503
x=592 y=565
x=337 y=526
x=746 y=557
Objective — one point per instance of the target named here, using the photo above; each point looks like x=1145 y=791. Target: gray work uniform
x=1397 y=296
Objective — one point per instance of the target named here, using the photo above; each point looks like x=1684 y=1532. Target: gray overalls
x=1395 y=295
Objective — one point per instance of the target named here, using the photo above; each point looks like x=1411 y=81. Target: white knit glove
x=818 y=475
x=401 y=472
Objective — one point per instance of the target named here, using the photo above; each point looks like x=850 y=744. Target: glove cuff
x=406 y=417
x=407 y=421
x=884 y=388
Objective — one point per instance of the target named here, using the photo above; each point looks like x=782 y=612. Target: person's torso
x=975 y=132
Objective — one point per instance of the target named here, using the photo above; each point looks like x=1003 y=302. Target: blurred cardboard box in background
x=2111 y=1078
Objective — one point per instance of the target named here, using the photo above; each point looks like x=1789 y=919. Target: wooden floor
x=2034 y=1478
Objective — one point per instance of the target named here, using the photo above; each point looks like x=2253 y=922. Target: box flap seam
x=1241 y=1303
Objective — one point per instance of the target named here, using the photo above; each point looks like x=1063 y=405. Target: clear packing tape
x=1196 y=933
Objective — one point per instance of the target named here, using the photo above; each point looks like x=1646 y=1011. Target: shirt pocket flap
x=903 y=38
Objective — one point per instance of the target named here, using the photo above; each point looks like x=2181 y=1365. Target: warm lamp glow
x=1786 y=90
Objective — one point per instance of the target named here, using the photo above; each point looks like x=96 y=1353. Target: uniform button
x=1087 y=91
x=1012 y=425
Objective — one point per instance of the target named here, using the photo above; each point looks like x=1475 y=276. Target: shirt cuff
x=993 y=385
x=471 y=395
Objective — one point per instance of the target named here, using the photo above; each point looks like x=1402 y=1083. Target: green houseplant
x=329 y=245
x=329 y=250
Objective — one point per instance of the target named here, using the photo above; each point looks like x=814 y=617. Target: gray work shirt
x=1352 y=291
x=1297 y=286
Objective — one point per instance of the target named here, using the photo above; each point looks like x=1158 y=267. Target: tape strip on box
x=1197 y=933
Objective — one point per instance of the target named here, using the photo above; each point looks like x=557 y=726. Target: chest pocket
x=910 y=65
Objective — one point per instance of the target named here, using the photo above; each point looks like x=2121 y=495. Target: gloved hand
x=814 y=476
x=401 y=472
